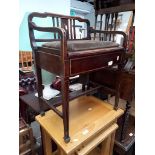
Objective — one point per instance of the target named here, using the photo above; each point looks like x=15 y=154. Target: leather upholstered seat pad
x=81 y=45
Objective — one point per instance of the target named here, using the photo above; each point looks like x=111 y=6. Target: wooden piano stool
x=65 y=55
x=92 y=122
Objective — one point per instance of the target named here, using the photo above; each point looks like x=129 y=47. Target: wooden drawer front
x=49 y=62
x=91 y=63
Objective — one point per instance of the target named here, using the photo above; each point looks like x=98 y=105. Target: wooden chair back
x=68 y=23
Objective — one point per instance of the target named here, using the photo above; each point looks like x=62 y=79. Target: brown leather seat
x=80 y=45
x=81 y=48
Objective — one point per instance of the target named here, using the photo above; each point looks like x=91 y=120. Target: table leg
x=108 y=144
x=65 y=107
x=46 y=140
x=61 y=152
x=125 y=121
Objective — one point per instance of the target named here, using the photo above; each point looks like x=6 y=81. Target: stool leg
x=118 y=83
x=65 y=107
x=117 y=95
x=39 y=89
x=84 y=79
x=116 y=101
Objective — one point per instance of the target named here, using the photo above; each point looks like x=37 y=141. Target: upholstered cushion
x=80 y=45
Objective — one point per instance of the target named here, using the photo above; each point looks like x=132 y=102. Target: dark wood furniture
x=65 y=55
x=107 y=12
x=25 y=61
x=108 y=77
x=26 y=140
x=111 y=6
x=127 y=146
x=31 y=106
x=27 y=84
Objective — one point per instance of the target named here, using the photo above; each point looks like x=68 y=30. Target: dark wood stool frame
x=64 y=66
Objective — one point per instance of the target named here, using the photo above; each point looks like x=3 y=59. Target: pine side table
x=92 y=122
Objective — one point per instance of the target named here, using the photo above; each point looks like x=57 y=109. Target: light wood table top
x=88 y=116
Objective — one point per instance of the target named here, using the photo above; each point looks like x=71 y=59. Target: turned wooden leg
x=87 y=81
x=84 y=79
x=125 y=121
x=117 y=88
x=39 y=89
x=117 y=95
x=116 y=101
x=65 y=107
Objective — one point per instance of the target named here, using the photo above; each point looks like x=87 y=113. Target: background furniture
x=26 y=140
x=86 y=135
x=25 y=61
x=107 y=13
x=31 y=104
x=124 y=142
x=66 y=56
x=27 y=85
x=107 y=18
x=109 y=6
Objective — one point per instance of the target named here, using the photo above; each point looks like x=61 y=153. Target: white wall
x=81 y=5
x=55 y=6
x=85 y=9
